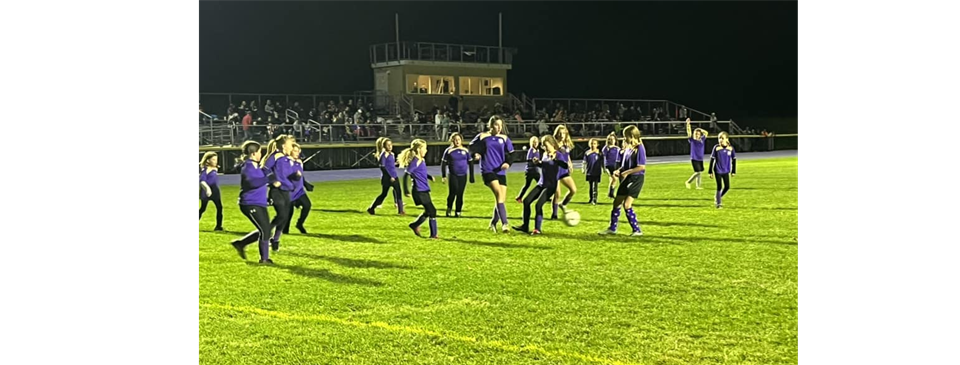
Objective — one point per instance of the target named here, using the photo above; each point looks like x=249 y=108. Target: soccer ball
x=571 y=218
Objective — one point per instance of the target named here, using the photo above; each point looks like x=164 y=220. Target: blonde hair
x=206 y=157
x=631 y=135
x=564 y=141
x=493 y=120
x=612 y=135
x=548 y=139
x=723 y=136
x=408 y=154
x=272 y=146
x=535 y=139
x=381 y=143
x=456 y=134
x=590 y=143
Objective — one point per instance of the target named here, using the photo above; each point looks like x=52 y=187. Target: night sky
x=738 y=59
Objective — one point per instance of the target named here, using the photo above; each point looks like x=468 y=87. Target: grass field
x=701 y=286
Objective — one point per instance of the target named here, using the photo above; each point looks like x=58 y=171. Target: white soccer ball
x=571 y=218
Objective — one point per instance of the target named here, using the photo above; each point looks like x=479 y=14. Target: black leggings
x=215 y=198
x=385 y=185
x=457 y=185
x=261 y=221
x=529 y=178
x=304 y=203
x=281 y=204
x=429 y=211
x=594 y=188
x=539 y=194
x=723 y=184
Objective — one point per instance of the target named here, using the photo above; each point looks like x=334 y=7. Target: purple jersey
x=388 y=164
x=209 y=176
x=696 y=147
x=283 y=170
x=610 y=156
x=550 y=169
x=591 y=162
x=253 y=184
x=723 y=160
x=418 y=171
x=458 y=158
x=298 y=190
x=563 y=154
x=633 y=157
x=494 y=151
x=531 y=154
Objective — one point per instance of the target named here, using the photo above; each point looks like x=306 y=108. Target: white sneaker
x=699 y=188
x=505 y=229
x=493 y=228
x=687 y=184
x=636 y=234
x=606 y=232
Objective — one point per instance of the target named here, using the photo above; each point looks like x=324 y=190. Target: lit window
x=429 y=84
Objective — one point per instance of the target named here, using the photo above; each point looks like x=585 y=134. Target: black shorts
x=631 y=186
x=697 y=165
x=593 y=178
x=610 y=169
x=489 y=177
x=421 y=198
x=532 y=175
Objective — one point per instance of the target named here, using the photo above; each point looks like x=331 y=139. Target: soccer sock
x=698 y=179
x=496 y=215
x=566 y=199
x=694 y=176
x=633 y=219
x=264 y=249
x=539 y=222
x=554 y=215
x=433 y=227
x=420 y=219
x=719 y=196
x=610 y=193
x=614 y=218
x=502 y=209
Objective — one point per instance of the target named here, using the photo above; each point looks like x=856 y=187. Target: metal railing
x=668 y=110
x=442 y=52
x=311 y=131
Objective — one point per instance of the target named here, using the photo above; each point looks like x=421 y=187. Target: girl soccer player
x=412 y=160
x=388 y=176
x=531 y=174
x=592 y=168
x=562 y=135
x=723 y=162
x=299 y=197
x=697 y=139
x=253 y=201
x=458 y=159
x=631 y=173
x=611 y=160
x=209 y=182
x=494 y=149
x=280 y=164
x=545 y=188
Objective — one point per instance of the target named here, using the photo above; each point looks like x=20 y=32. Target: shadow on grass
x=320 y=274
x=714 y=239
x=362 y=264
x=345 y=237
x=354 y=211
x=499 y=244
x=228 y=233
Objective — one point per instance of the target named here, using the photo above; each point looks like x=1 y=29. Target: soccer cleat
x=553 y=217
x=493 y=228
x=371 y=211
x=719 y=206
x=687 y=184
x=302 y=230
x=266 y=262
x=458 y=215
x=448 y=213
x=434 y=237
x=275 y=245
x=505 y=229
x=239 y=248
x=606 y=232
x=416 y=229
x=218 y=228
x=535 y=232
x=636 y=234
x=286 y=231
x=699 y=188
x=402 y=213
x=521 y=229
x=519 y=200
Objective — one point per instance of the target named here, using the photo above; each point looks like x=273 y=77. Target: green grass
x=702 y=286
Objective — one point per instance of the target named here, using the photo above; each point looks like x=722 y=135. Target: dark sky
x=738 y=59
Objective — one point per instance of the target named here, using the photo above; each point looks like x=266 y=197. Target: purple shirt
x=283 y=170
x=458 y=159
x=592 y=162
x=633 y=158
x=298 y=190
x=388 y=164
x=210 y=177
x=550 y=169
x=253 y=184
x=272 y=159
x=493 y=150
x=610 y=156
x=531 y=154
x=696 y=147
x=418 y=171
x=722 y=160
x=563 y=154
